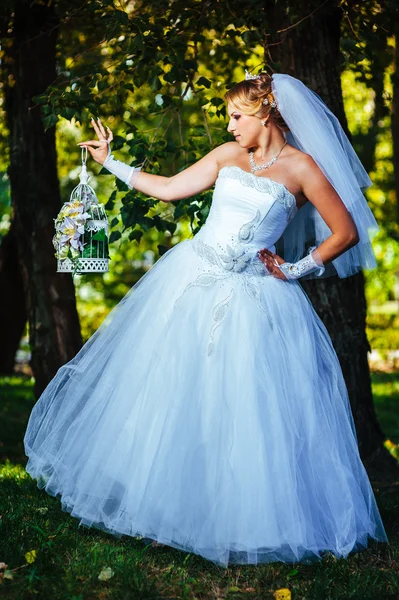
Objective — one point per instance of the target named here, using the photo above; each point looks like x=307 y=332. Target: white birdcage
x=81 y=238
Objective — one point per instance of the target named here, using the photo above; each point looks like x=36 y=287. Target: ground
x=47 y=556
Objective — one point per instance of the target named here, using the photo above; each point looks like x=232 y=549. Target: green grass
x=69 y=559
x=386 y=401
x=16 y=401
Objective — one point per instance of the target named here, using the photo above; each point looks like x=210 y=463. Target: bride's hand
x=99 y=149
x=271 y=262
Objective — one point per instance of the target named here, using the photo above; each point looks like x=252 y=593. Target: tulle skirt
x=208 y=413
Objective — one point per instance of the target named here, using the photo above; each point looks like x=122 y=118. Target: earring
x=263 y=123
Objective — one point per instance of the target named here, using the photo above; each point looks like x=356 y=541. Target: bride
x=209 y=411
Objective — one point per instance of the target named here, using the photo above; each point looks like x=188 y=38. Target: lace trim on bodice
x=262 y=184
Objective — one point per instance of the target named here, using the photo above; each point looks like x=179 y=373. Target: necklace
x=266 y=165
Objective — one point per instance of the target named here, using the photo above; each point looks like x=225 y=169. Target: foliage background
x=159 y=84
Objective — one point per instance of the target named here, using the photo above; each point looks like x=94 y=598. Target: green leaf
x=136 y=234
x=217 y=101
x=100 y=236
x=88 y=251
x=102 y=85
x=121 y=17
x=250 y=37
x=190 y=64
x=146 y=223
x=118 y=142
x=292 y=573
x=180 y=209
x=204 y=81
x=115 y=235
x=41 y=99
x=155 y=83
x=164 y=225
x=50 y=121
x=67 y=112
x=162 y=249
x=111 y=202
x=122 y=187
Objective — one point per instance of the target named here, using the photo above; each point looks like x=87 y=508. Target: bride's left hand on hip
x=272 y=262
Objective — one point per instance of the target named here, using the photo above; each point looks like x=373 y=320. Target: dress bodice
x=247 y=213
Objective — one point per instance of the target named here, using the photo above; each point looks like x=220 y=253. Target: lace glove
x=121 y=170
x=309 y=264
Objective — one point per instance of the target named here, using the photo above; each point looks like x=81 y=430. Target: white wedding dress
x=209 y=412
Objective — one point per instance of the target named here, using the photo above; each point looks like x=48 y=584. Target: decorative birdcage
x=81 y=230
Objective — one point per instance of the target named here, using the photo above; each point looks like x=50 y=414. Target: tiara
x=249 y=76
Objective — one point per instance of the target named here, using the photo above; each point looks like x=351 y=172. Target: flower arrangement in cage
x=81 y=230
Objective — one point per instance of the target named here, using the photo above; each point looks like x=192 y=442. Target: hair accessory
x=273 y=103
x=249 y=76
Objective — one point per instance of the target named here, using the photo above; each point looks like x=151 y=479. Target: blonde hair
x=248 y=96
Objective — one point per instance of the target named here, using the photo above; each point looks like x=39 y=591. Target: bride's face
x=246 y=129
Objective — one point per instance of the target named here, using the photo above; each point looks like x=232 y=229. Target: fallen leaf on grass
x=282 y=594
x=249 y=589
x=30 y=556
x=8 y=575
x=106 y=574
x=292 y=574
x=3 y=565
x=43 y=510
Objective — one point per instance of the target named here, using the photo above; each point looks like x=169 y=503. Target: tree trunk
x=13 y=311
x=30 y=67
x=310 y=51
x=395 y=121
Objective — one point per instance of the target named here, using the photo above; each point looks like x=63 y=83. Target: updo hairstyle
x=248 y=96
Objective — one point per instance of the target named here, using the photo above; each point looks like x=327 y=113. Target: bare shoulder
x=310 y=179
x=228 y=152
x=302 y=163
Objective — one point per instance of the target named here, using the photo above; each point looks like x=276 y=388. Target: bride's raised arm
x=198 y=177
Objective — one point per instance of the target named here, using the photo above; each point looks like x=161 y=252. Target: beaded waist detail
x=237 y=258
